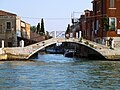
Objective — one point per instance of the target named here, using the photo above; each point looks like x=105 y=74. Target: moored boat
x=69 y=53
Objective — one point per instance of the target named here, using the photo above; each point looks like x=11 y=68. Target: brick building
x=86 y=24
x=102 y=22
x=106 y=19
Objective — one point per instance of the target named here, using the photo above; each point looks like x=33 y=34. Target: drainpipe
x=102 y=11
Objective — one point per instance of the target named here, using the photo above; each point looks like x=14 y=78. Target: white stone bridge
x=28 y=51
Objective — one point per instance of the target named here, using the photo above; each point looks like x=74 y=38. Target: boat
x=54 y=51
x=69 y=53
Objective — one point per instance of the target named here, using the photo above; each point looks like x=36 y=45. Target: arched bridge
x=28 y=51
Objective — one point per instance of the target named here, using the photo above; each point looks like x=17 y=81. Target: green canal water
x=56 y=72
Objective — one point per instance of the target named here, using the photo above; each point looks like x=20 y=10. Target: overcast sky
x=56 y=13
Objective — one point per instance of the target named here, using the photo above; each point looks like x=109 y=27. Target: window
x=112 y=23
x=93 y=27
x=0 y=28
x=112 y=3
x=97 y=25
x=8 y=25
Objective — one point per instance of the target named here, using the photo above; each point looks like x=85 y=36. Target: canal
x=56 y=72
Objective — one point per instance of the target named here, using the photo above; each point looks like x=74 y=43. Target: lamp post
x=76 y=20
x=73 y=17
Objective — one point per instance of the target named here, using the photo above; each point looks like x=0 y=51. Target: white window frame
x=110 y=20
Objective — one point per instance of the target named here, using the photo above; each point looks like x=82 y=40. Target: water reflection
x=105 y=74
x=56 y=72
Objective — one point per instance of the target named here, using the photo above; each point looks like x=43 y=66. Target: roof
x=4 y=13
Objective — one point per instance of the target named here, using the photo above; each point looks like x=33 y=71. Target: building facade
x=102 y=22
x=25 y=30
x=11 y=27
x=86 y=25
x=106 y=19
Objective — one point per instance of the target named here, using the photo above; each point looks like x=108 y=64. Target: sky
x=56 y=13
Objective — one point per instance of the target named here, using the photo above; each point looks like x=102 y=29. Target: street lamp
x=73 y=17
x=76 y=21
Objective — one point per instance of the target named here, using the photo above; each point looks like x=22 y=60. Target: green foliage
x=33 y=28
x=68 y=29
x=47 y=33
x=86 y=42
x=42 y=27
x=47 y=36
x=38 y=29
x=105 y=21
x=91 y=45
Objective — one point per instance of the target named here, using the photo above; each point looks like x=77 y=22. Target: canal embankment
x=9 y=56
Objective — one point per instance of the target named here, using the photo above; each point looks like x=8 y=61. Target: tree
x=106 y=23
x=38 y=29
x=47 y=36
x=42 y=27
x=47 y=33
x=67 y=31
x=33 y=28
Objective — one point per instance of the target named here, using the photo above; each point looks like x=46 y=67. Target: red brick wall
x=109 y=12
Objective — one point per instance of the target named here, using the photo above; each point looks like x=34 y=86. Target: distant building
x=12 y=27
x=25 y=30
x=86 y=25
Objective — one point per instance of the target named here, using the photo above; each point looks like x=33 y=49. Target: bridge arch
x=92 y=51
